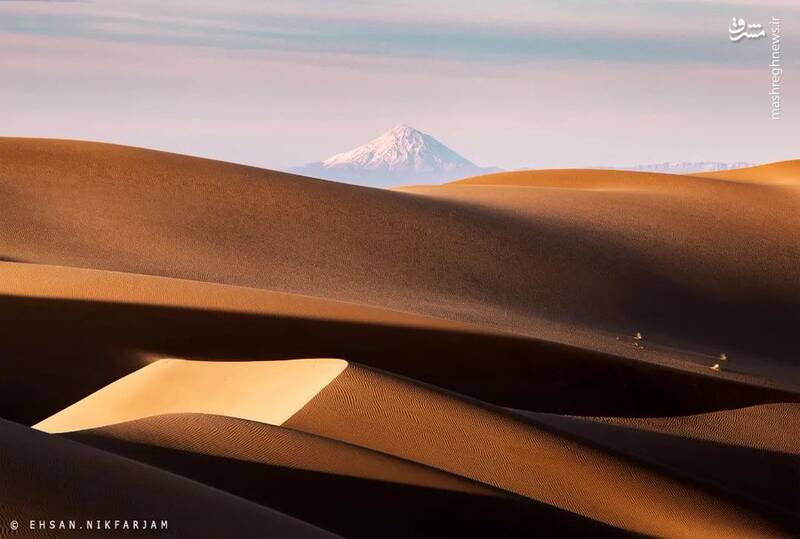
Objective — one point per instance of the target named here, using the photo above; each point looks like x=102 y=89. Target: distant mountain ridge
x=402 y=155
x=687 y=167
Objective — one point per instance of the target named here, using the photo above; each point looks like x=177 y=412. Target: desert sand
x=267 y=391
x=51 y=478
x=310 y=357
x=348 y=489
x=781 y=173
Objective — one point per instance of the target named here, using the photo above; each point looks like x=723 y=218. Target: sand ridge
x=340 y=487
x=736 y=451
x=396 y=416
x=46 y=477
x=265 y=391
x=106 y=325
x=786 y=173
x=80 y=284
x=254 y=441
x=140 y=211
x=373 y=410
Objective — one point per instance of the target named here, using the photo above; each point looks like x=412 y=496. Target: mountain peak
x=401 y=155
x=402 y=128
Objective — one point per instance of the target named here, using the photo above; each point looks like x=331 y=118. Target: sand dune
x=563 y=259
x=64 y=283
x=372 y=410
x=418 y=423
x=266 y=391
x=739 y=451
x=576 y=179
x=106 y=325
x=48 y=478
x=160 y=310
x=781 y=173
x=340 y=487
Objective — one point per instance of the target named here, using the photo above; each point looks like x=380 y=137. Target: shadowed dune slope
x=399 y=417
x=752 y=452
x=103 y=325
x=340 y=487
x=626 y=252
x=711 y=250
x=378 y=411
x=46 y=477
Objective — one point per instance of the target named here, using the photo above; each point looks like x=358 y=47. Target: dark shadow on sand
x=55 y=352
x=363 y=508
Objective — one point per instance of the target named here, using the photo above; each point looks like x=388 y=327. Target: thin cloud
x=462 y=41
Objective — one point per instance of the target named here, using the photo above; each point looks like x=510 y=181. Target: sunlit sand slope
x=781 y=173
x=265 y=391
x=396 y=416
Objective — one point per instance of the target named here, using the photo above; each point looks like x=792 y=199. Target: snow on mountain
x=402 y=155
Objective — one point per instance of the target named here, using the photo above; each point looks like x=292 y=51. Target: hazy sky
x=510 y=83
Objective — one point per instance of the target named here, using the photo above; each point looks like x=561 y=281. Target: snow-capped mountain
x=400 y=156
x=685 y=167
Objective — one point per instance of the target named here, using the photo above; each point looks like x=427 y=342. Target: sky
x=508 y=83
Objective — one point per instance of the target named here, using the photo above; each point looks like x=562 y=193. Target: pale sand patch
x=265 y=391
